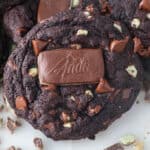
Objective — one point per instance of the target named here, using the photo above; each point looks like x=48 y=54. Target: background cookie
x=3 y=49
x=20 y=19
x=75 y=110
x=6 y=4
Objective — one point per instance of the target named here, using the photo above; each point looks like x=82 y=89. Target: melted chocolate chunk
x=145 y=5
x=118 y=45
x=38 y=46
x=48 y=8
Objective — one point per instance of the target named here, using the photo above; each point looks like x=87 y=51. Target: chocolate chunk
x=137 y=44
x=145 y=5
x=68 y=66
x=50 y=87
x=139 y=48
x=118 y=45
x=38 y=46
x=48 y=8
x=21 y=103
x=104 y=87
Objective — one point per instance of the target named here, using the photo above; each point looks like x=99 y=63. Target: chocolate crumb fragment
x=117 y=146
x=1 y=122
x=1 y=107
x=12 y=125
x=13 y=148
x=38 y=143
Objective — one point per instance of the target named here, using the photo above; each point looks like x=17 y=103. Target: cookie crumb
x=12 y=124
x=127 y=140
x=82 y=32
x=13 y=148
x=1 y=107
x=1 y=122
x=38 y=143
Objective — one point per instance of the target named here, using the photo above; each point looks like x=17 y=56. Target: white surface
x=136 y=122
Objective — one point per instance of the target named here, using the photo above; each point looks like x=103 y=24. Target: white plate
x=136 y=122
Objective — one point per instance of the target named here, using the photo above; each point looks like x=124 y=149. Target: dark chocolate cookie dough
x=91 y=79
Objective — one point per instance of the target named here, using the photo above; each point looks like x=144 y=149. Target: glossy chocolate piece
x=69 y=66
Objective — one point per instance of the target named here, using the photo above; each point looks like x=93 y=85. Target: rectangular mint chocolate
x=70 y=66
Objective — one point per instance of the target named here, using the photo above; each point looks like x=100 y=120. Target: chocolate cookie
x=20 y=19
x=73 y=74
